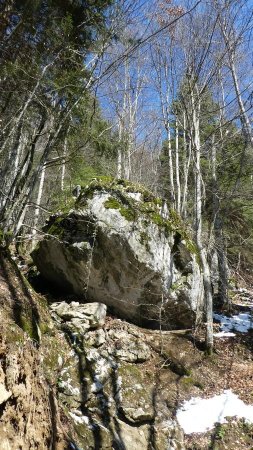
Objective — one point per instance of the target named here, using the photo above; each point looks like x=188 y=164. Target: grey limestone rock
x=79 y=318
x=117 y=247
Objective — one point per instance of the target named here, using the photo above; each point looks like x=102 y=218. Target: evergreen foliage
x=45 y=76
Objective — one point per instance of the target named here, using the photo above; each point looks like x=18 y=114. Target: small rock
x=94 y=338
x=79 y=318
x=128 y=347
x=135 y=393
x=133 y=438
x=4 y=394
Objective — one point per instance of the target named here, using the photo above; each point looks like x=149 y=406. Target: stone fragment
x=79 y=318
x=132 y=438
x=135 y=393
x=128 y=347
x=4 y=394
x=95 y=338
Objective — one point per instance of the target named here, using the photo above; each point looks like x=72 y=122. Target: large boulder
x=121 y=246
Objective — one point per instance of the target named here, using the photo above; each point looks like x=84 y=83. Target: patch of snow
x=242 y=322
x=200 y=415
x=79 y=419
x=224 y=334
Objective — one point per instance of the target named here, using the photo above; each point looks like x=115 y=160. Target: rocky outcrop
x=121 y=247
x=109 y=386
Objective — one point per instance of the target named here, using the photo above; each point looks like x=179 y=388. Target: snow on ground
x=224 y=334
x=200 y=415
x=242 y=322
x=79 y=419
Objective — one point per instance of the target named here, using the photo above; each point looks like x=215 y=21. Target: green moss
x=126 y=211
x=148 y=209
x=28 y=325
x=157 y=201
x=112 y=203
x=189 y=380
x=157 y=219
x=53 y=349
x=45 y=328
x=111 y=184
x=55 y=228
x=128 y=214
x=178 y=284
x=5 y=238
x=128 y=369
x=191 y=246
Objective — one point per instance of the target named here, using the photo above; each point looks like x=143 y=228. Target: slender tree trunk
x=186 y=168
x=119 y=163
x=218 y=234
x=231 y=46
x=243 y=115
x=171 y=169
x=119 y=151
x=178 y=185
x=19 y=182
x=63 y=168
x=38 y=204
x=128 y=162
x=198 y=225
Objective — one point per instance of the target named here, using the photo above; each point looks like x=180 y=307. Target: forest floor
x=233 y=357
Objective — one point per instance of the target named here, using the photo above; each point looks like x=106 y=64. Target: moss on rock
x=148 y=209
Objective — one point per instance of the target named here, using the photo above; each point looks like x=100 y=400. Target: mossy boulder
x=123 y=247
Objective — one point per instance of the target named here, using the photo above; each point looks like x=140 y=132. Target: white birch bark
x=195 y=104
x=63 y=167
x=178 y=185
x=186 y=167
x=38 y=204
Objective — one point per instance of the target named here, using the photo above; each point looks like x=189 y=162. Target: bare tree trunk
x=195 y=101
x=63 y=168
x=171 y=169
x=119 y=164
x=218 y=233
x=232 y=42
x=19 y=182
x=128 y=163
x=178 y=185
x=186 y=168
x=243 y=115
x=38 y=204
